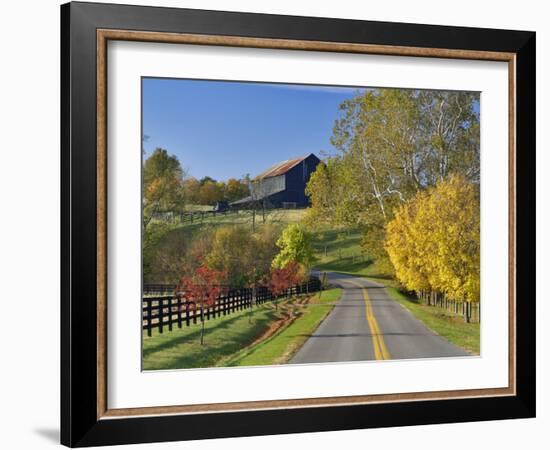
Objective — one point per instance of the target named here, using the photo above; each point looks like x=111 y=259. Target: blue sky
x=228 y=129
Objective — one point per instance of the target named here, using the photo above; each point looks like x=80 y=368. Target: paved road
x=367 y=324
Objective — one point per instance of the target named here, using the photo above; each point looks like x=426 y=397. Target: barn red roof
x=281 y=168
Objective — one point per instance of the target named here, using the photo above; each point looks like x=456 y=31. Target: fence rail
x=158 y=289
x=469 y=310
x=192 y=216
x=167 y=310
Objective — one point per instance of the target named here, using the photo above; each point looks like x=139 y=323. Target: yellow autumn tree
x=433 y=240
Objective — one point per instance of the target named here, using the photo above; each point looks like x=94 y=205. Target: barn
x=283 y=185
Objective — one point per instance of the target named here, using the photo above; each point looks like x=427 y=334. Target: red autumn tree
x=283 y=278
x=202 y=287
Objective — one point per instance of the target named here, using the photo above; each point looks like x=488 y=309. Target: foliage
x=393 y=143
x=243 y=256
x=265 y=249
x=202 y=287
x=152 y=237
x=166 y=187
x=329 y=192
x=433 y=240
x=282 y=278
x=295 y=247
x=162 y=185
x=236 y=189
x=208 y=191
x=232 y=254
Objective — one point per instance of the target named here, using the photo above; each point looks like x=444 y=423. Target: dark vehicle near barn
x=221 y=206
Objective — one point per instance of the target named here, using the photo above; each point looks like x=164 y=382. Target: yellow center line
x=380 y=350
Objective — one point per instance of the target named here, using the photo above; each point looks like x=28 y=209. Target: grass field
x=226 y=337
x=448 y=325
x=339 y=250
x=194 y=208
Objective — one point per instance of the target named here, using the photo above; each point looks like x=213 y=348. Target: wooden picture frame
x=86 y=418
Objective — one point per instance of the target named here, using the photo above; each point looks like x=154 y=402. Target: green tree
x=162 y=184
x=393 y=143
x=294 y=247
x=207 y=179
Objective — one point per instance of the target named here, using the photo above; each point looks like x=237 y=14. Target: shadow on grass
x=381 y=276
x=221 y=338
x=173 y=338
x=209 y=359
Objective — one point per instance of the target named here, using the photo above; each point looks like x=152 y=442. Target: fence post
x=187 y=322
x=160 y=315
x=149 y=318
x=170 y=314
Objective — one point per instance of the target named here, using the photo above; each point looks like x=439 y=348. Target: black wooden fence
x=469 y=310
x=167 y=310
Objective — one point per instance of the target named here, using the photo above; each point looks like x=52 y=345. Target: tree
x=330 y=194
x=162 y=184
x=283 y=278
x=206 y=179
x=393 y=143
x=152 y=240
x=191 y=188
x=235 y=190
x=203 y=287
x=211 y=192
x=233 y=254
x=433 y=240
x=295 y=247
x=245 y=258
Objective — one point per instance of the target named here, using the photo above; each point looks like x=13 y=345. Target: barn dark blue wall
x=296 y=180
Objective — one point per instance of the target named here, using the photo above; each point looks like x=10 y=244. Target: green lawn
x=226 y=337
x=448 y=325
x=339 y=250
x=181 y=348
x=280 y=348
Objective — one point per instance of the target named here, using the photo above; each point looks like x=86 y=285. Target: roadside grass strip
x=283 y=345
x=450 y=326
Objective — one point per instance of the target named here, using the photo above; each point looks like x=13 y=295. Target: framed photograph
x=277 y=224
